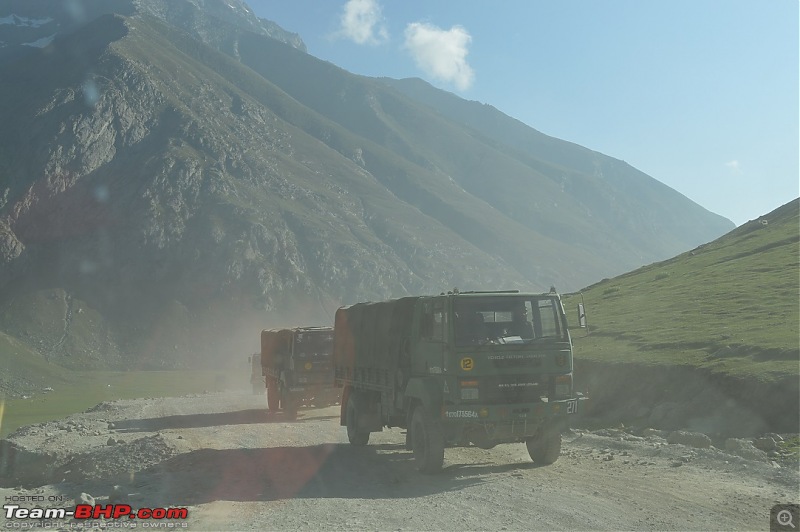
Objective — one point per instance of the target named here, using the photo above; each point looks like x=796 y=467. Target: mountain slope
x=729 y=306
x=158 y=192
x=618 y=224
x=615 y=195
x=175 y=179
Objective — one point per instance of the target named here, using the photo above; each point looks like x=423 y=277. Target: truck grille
x=509 y=389
x=517 y=363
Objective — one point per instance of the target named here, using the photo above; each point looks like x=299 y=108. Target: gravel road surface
x=236 y=468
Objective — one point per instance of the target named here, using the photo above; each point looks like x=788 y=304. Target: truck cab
x=298 y=367
x=468 y=368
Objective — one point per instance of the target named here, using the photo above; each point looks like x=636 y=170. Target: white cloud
x=734 y=166
x=362 y=22
x=441 y=53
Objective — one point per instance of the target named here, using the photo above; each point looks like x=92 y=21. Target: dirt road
x=236 y=468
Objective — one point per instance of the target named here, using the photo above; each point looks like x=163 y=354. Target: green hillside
x=729 y=307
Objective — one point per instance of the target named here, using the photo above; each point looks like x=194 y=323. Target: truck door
x=432 y=329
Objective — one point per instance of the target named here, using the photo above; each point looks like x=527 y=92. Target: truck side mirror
x=581 y=316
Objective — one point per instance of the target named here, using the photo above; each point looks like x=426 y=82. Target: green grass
x=730 y=306
x=18 y=358
x=76 y=392
x=790 y=447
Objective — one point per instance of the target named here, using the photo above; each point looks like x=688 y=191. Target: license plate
x=572 y=406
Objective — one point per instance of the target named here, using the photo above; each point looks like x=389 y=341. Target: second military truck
x=298 y=368
x=479 y=368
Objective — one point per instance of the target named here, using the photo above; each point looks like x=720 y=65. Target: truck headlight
x=563 y=386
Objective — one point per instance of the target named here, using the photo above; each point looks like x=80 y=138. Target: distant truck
x=478 y=368
x=298 y=368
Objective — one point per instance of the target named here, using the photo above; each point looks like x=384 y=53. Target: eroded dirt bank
x=688 y=398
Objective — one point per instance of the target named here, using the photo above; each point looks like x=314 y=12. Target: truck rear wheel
x=427 y=441
x=353 y=410
x=545 y=448
x=273 y=395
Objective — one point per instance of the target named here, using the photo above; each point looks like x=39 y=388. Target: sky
x=702 y=95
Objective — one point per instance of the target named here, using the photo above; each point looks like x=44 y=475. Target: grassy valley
x=69 y=391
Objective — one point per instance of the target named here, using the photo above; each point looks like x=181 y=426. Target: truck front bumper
x=511 y=421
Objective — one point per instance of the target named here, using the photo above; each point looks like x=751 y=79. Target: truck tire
x=427 y=441
x=354 y=435
x=289 y=403
x=545 y=448
x=273 y=395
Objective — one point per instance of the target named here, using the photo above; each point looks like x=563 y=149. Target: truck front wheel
x=427 y=441
x=355 y=435
x=545 y=448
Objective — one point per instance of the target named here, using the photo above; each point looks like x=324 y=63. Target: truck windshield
x=507 y=320
x=313 y=343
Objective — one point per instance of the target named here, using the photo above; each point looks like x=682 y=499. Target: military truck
x=469 y=368
x=298 y=368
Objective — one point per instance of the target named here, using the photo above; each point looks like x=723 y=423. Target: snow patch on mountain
x=40 y=43
x=16 y=20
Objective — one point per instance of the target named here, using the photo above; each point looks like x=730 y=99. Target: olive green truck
x=297 y=366
x=457 y=369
